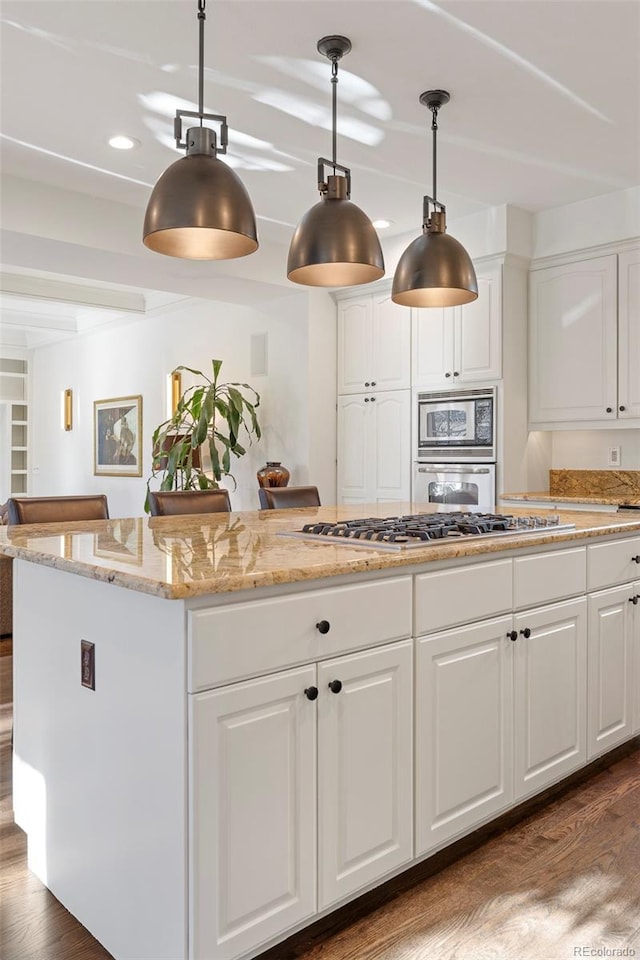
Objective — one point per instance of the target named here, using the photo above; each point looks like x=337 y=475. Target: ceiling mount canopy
x=199 y=209
x=335 y=244
x=435 y=270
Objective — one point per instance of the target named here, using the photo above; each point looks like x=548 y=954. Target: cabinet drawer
x=612 y=563
x=247 y=639
x=549 y=576
x=449 y=597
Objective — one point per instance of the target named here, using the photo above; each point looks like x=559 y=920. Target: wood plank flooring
x=564 y=881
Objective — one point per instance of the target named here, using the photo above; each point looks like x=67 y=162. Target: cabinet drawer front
x=549 y=576
x=463 y=594
x=247 y=639
x=612 y=563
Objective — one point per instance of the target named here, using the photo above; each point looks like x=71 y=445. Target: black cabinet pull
x=447 y=374
x=335 y=686
x=311 y=693
x=373 y=383
x=526 y=633
x=366 y=399
x=455 y=373
x=609 y=410
x=623 y=408
x=636 y=559
x=634 y=600
x=367 y=384
x=512 y=635
x=323 y=626
x=373 y=399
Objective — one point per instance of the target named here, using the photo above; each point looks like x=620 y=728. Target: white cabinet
x=265 y=854
x=550 y=659
x=374 y=455
x=583 y=358
x=611 y=663
x=464 y=729
x=365 y=762
x=635 y=645
x=456 y=345
x=374 y=344
x=253 y=818
x=629 y=334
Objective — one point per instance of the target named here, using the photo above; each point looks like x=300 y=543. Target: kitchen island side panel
x=100 y=775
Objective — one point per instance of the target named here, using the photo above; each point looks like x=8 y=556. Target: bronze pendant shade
x=435 y=270
x=335 y=244
x=199 y=209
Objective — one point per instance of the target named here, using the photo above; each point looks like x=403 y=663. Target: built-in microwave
x=455 y=425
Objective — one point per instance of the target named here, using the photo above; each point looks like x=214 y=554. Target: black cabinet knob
x=367 y=384
x=512 y=635
x=526 y=633
x=311 y=693
x=373 y=383
x=366 y=399
x=623 y=408
x=455 y=373
x=636 y=559
x=447 y=374
x=335 y=686
x=323 y=626
x=609 y=410
x=373 y=399
x=633 y=600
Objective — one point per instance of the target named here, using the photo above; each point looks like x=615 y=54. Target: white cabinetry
x=583 y=360
x=611 y=676
x=374 y=344
x=456 y=345
x=374 y=455
x=635 y=643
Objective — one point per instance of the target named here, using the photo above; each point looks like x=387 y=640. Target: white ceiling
x=545 y=105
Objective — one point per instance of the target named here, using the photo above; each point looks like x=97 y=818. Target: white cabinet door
x=610 y=694
x=253 y=812
x=629 y=334
x=354 y=345
x=391 y=454
x=365 y=757
x=464 y=746
x=635 y=644
x=549 y=694
x=356 y=439
x=432 y=332
x=573 y=341
x=478 y=332
x=391 y=344
x=374 y=454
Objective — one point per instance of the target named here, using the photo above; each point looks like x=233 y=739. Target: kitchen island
x=269 y=727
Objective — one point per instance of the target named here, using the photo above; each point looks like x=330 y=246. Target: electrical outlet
x=88 y=664
x=614 y=457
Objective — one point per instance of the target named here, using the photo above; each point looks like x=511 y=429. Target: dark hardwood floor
x=560 y=884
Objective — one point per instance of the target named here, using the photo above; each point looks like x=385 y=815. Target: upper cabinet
x=456 y=345
x=374 y=344
x=584 y=341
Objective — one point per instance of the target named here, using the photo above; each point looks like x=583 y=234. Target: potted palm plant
x=210 y=416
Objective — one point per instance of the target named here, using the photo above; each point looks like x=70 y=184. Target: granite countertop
x=179 y=557
x=546 y=497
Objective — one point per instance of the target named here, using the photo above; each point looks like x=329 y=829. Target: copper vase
x=273 y=474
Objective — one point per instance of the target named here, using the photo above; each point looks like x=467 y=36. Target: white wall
x=588 y=449
x=135 y=357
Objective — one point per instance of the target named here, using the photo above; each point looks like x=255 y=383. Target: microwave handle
x=449 y=468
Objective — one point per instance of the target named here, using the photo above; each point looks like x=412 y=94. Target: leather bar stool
x=56 y=509
x=283 y=498
x=169 y=503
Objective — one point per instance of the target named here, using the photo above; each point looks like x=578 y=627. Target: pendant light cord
x=201 y=19
x=434 y=128
x=334 y=110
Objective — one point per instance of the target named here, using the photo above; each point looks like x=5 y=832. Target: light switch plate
x=613 y=459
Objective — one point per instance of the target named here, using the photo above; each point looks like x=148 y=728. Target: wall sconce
x=176 y=390
x=68 y=409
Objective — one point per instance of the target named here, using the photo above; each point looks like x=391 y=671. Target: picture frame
x=117 y=437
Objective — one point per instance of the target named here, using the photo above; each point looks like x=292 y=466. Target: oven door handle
x=448 y=468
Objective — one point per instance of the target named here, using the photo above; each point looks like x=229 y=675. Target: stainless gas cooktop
x=423 y=529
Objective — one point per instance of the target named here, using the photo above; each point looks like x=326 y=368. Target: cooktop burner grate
x=419 y=530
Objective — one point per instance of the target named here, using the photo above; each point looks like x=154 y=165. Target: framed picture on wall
x=117 y=437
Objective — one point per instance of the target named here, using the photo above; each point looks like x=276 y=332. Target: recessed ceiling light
x=382 y=224
x=120 y=142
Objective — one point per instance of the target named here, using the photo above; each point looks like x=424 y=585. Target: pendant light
x=335 y=244
x=199 y=209
x=435 y=270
